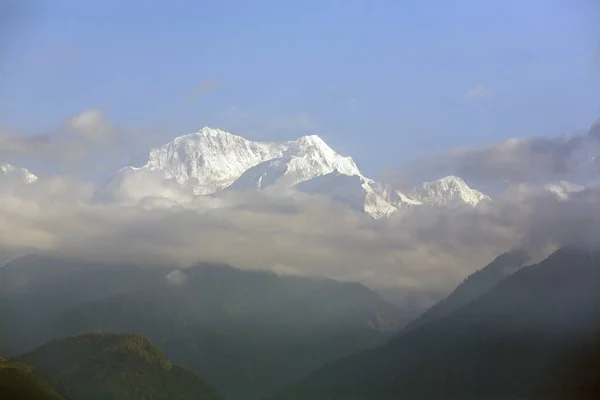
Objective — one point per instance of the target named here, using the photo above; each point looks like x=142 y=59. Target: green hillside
x=17 y=383
x=114 y=367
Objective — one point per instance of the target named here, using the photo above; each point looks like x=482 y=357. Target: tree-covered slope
x=18 y=383
x=114 y=367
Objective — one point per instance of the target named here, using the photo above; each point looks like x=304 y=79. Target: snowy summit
x=211 y=161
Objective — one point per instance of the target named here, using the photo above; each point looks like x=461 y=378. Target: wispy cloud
x=91 y=125
x=71 y=141
x=479 y=92
x=87 y=142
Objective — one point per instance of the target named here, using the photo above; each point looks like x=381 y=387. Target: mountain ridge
x=212 y=161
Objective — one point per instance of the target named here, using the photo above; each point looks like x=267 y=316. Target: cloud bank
x=426 y=251
x=149 y=220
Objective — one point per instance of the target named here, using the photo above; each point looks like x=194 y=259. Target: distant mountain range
x=248 y=333
x=510 y=330
x=212 y=162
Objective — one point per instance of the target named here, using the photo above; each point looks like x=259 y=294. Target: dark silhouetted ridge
x=533 y=336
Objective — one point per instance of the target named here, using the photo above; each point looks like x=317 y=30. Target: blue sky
x=382 y=81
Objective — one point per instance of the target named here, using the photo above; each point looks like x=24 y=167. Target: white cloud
x=176 y=277
x=91 y=125
x=479 y=92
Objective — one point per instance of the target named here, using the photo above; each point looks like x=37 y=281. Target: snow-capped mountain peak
x=449 y=191
x=212 y=157
x=302 y=160
x=22 y=175
x=211 y=160
x=311 y=141
x=213 y=132
x=310 y=144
